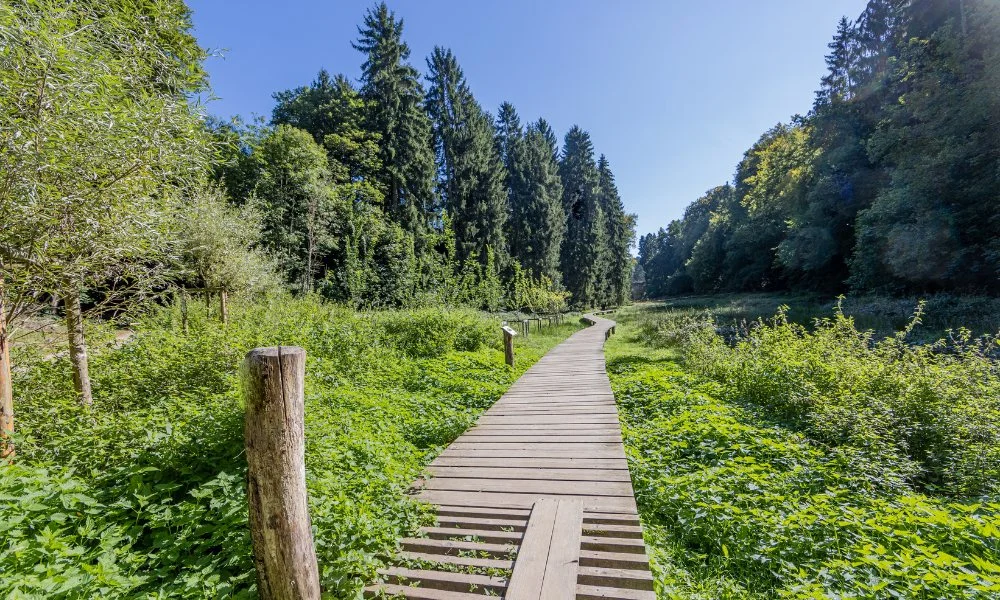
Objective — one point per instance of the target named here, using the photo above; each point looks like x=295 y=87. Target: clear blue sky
x=672 y=92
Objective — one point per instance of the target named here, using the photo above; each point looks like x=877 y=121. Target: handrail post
x=508 y=345
x=284 y=554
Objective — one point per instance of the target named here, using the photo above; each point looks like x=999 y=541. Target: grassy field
x=786 y=462
x=143 y=496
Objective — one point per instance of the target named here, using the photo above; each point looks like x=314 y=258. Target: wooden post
x=508 y=345
x=274 y=431
x=6 y=387
x=184 y=311
x=224 y=306
x=526 y=326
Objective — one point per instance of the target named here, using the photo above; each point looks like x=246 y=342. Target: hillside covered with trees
x=889 y=184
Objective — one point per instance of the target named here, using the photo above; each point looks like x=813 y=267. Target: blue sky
x=672 y=92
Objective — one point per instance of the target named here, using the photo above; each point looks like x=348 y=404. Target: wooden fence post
x=526 y=327
x=508 y=345
x=274 y=431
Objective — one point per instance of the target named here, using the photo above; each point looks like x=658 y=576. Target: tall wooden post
x=224 y=306
x=508 y=345
x=526 y=326
x=6 y=386
x=184 y=310
x=280 y=529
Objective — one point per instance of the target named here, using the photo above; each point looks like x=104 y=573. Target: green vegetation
x=814 y=464
x=143 y=494
x=887 y=185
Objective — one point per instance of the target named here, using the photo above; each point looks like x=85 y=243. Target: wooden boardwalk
x=534 y=501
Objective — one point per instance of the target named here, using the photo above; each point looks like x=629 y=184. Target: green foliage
x=143 y=495
x=887 y=185
x=921 y=414
x=737 y=506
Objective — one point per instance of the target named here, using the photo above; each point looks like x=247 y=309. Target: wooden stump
x=280 y=529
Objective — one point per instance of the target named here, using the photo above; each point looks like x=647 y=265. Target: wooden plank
x=572 y=462
x=417 y=593
x=538 y=439
x=465 y=561
x=633 y=579
x=613 y=560
x=429 y=546
x=508 y=500
x=590 y=592
x=482 y=523
x=529 y=453
x=530 y=486
x=564 y=552
x=444 y=580
x=615 y=475
x=529 y=567
x=479 y=535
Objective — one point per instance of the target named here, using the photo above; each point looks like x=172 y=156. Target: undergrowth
x=786 y=465
x=143 y=495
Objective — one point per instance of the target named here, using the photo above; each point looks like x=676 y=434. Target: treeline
x=396 y=193
x=117 y=191
x=889 y=184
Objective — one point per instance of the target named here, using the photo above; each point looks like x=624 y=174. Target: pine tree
x=545 y=129
x=537 y=222
x=585 y=244
x=836 y=84
x=396 y=113
x=471 y=174
x=620 y=233
x=509 y=134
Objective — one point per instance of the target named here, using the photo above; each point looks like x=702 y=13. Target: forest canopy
x=889 y=184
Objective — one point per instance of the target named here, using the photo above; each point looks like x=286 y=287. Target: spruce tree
x=545 y=129
x=471 y=174
x=537 y=222
x=620 y=233
x=395 y=112
x=585 y=245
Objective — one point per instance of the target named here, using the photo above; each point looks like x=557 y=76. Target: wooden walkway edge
x=535 y=501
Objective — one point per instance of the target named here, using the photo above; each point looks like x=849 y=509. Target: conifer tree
x=537 y=222
x=545 y=129
x=620 y=233
x=585 y=244
x=471 y=174
x=396 y=113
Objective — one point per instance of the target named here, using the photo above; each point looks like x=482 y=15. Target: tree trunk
x=224 y=306
x=78 y=348
x=274 y=433
x=6 y=386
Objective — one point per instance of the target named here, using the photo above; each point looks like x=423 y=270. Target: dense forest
x=889 y=184
x=395 y=192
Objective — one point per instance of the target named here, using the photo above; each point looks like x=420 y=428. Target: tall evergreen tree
x=585 y=244
x=395 y=111
x=471 y=174
x=545 y=129
x=620 y=233
x=538 y=221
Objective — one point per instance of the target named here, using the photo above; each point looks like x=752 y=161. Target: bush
x=925 y=414
x=735 y=504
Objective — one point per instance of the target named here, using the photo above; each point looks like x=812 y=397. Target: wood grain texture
x=274 y=431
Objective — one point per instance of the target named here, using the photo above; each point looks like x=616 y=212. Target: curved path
x=542 y=475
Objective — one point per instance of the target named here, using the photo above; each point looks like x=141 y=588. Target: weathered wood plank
x=616 y=475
